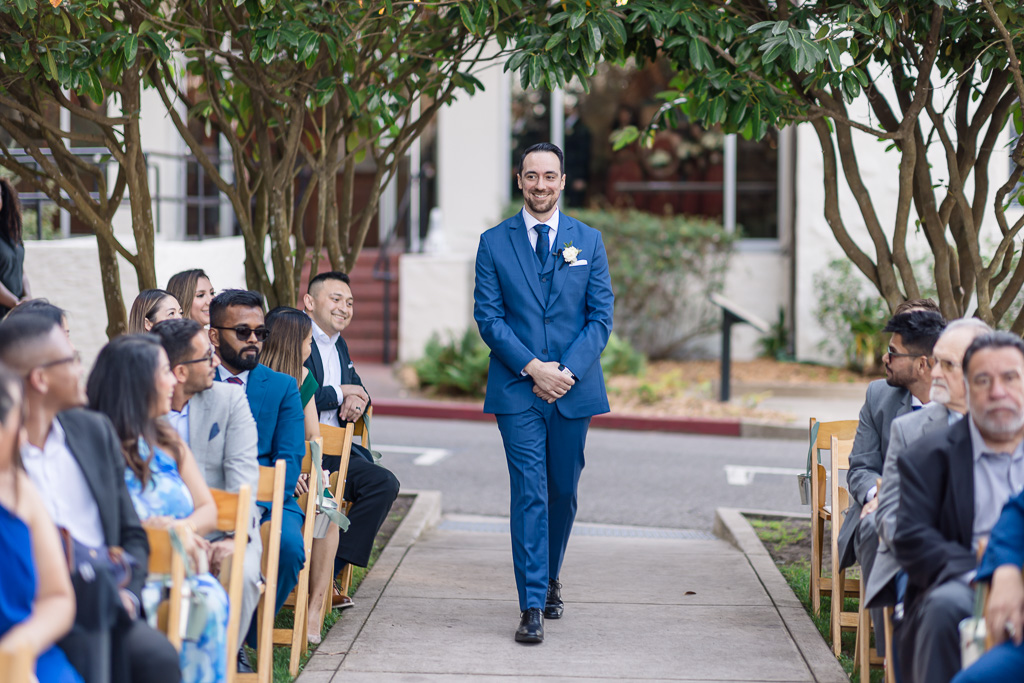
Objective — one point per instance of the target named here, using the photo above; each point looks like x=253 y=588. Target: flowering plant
x=569 y=253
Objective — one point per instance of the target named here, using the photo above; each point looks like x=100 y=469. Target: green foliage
x=663 y=268
x=457 y=367
x=775 y=344
x=852 y=319
x=620 y=358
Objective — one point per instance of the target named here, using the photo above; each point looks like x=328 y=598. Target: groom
x=543 y=302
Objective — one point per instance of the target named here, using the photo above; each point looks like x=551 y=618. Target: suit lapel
x=346 y=371
x=255 y=391
x=199 y=428
x=527 y=258
x=318 y=364
x=961 y=469
x=101 y=490
x=565 y=235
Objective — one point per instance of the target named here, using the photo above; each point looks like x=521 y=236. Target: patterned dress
x=166 y=495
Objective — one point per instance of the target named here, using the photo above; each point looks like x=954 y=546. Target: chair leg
x=838 y=591
x=890 y=664
x=863 y=638
x=817 y=544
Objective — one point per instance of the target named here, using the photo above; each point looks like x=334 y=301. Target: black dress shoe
x=553 y=605
x=531 y=626
x=244 y=667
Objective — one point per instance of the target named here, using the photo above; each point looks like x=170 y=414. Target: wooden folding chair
x=362 y=431
x=821 y=511
x=338 y=442
x=270 y=490
x=299 y=599
x=890 y=662
x=18 y=666
x=165 y=560
x=233 y=510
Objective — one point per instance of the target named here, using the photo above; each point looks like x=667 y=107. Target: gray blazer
x=882 y=405
x=905 y=431
x=222 y=435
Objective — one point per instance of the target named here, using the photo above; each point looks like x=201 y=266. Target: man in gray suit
x=214 y=419
x=948 y=405
x=906 y=387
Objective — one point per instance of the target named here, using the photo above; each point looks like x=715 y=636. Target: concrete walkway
x=641 y=605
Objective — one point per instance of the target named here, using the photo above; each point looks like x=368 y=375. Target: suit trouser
x=1001 y=664
x=371 y=489
x=131 y=652
x=252 y=575
x=865 y=543
x=545 y=457
x=290 y=561
x=929 y=638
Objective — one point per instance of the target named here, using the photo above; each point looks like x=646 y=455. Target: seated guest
x=78 y=454
x=237 y=333
x=37 y=604
x=1004 y=613
x=214 y=420
x=193 y=290
x=370 y=487
x=132 y=384
x=45 y=308
x=150 y=307
x=953 y=484
x=948 y=405
x=286 y=349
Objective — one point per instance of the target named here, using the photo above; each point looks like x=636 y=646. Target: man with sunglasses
x=214 y=419
x=237 y=332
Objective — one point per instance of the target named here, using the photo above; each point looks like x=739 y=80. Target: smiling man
x=543 y=302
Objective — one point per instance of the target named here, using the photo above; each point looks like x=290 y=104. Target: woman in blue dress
x=132 y=384
x=37 y=603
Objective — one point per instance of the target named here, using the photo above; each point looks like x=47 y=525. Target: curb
x=326 y=660
x=732 y=526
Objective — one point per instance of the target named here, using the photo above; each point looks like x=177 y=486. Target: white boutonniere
x=569 y=253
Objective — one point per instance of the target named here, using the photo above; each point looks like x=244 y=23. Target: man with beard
x=237 y=332
x=543 y=302
x=953 y=485
x=906 y=387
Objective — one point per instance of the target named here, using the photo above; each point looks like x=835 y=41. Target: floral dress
x=205 y=660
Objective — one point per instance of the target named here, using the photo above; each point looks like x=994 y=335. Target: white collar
x=225 y=374
x=322 y=337
x=531 y=220
x=56 y=433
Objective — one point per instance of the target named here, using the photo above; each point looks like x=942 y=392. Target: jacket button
x=543 y=279
x=547 y=321
x=543 y=350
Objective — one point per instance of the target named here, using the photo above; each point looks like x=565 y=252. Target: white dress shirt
x=65 y=492
x=332 y=370
x=179 y=420
x=531 y=228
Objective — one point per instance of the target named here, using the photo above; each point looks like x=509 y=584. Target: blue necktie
x=542 y=242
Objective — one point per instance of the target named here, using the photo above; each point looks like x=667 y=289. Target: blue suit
x=276 y=407
x=1005 y=546
x=554 y=312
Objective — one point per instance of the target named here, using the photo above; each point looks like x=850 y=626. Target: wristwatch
x=567 y=372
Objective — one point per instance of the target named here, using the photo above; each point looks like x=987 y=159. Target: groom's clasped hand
x=549 y=382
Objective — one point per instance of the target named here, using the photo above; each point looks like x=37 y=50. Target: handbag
x=98 y=575
x=803 y=481
x=327 y=510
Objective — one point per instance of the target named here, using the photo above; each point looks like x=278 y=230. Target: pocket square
x=214 y=431
x=580 y=262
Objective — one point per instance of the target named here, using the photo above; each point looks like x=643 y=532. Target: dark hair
x=10 y=213
x=994 y=340
x=122 y=386
x=144 y=307
x=917 y=305
x=543 y=147
x=176 y=335
x=39 y=307
x=919 y=330
x=282 y=350
x=329 y=275
x=233 y=297
x=183 y=287
x=22 y=333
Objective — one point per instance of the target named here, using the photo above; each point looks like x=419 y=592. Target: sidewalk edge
x=424 y=514
x=732 y=526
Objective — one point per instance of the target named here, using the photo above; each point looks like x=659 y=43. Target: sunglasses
x=243 y=332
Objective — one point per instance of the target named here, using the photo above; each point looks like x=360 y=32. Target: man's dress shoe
x=553 y=605
x=244 y=667
x=531 y=626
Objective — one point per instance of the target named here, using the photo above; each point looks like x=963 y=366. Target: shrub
x=620 y=358
x=663 y=268
x=852 y=319
x=455 y=367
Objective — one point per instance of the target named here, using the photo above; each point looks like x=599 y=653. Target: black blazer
x=935 y=520
x=95 y=445
x=326 y=398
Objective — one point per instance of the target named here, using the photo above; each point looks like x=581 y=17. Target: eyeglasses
x=243 y=333
x=73 y=358
x=208 y=358
x=947 y=365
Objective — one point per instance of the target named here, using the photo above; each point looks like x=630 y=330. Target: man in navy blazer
x=543 y=303
x=237 y=332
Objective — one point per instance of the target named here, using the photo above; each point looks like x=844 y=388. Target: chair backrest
x=338 y=442
x=233 y=515
x=18 y=666
x=840 y=456
x=842 y=429
x=845 y=431
x=165 y=559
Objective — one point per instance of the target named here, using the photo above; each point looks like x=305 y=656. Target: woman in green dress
x=285 y=350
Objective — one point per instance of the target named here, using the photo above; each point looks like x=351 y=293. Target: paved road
x=634 y=478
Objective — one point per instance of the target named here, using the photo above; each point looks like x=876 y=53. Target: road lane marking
x=424 y=456
x=743 y=475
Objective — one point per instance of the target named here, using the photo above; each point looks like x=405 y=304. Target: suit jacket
x=95 y=445
x=571 y=326
x=223 y=437
x=1006 y=544
x=326 y=397
x=882 y=405
x=935 y=519
x=281 y=433
x=906 y=430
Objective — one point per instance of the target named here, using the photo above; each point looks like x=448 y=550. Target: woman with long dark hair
x=37 y=603
x=195 y=292
x=132 y=384
x=150 y=307
x=14 y=287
